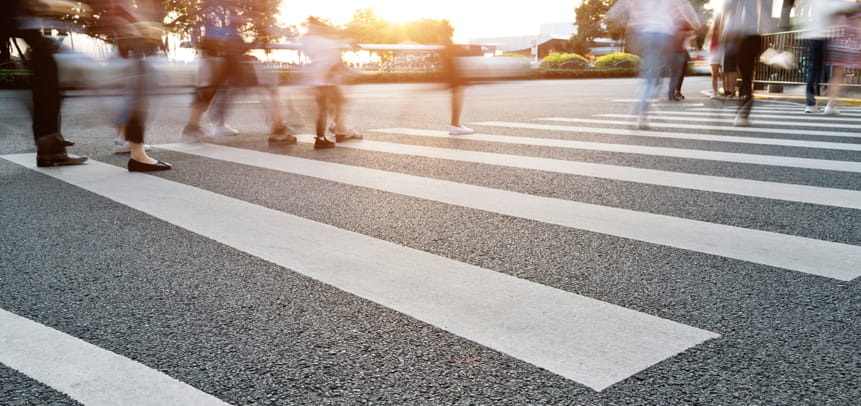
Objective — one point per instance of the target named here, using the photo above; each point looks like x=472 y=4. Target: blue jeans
x=652 y=48
x=815 y=57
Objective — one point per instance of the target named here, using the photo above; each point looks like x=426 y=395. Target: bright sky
x=470 y=19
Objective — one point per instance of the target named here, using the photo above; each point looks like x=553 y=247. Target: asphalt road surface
x=554 y=257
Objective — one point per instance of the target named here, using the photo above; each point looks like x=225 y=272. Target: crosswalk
x=594 y=343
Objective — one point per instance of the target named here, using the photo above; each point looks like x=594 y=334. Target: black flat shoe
x=59 y=160
x=136 y=166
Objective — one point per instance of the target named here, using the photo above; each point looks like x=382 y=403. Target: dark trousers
x=741 y=56
x=678 y=67
x=815 y=59
x=46 y=93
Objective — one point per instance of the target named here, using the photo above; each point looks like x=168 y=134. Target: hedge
x=618 y=60
x=560 y=61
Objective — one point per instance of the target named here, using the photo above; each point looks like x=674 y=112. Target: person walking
x=651 y=25
x=843 y=50
x=679 y=59
x=715 y=58
x=327 y=72
x=816 y=18
x=452 y=65
x=743 y=23
x=137 y=33
x=24 y=19
x=221 y=68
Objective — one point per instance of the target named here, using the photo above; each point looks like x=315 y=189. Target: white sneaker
x=832 y=110
x=811 y=109
x=122 y=146
x=224 y=131
x=454 y=130
x=741 y=121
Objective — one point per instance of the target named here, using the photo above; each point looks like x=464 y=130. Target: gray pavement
x=188 y=273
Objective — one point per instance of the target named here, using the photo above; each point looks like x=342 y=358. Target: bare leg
x=138 y=153
x=835 y=84
x=715 y=76
x=456 y=105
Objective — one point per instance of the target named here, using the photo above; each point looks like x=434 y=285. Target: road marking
x=658 y=116
x=842 y=146
x=760 y=130
x=86 y=373
x=744 y=187
x=769 y=160
x=591 y=342
x=731 y=113
x=795 y=112
x=816 y=257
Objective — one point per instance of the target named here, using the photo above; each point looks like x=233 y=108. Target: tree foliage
x=369 y=28
x=588 y=17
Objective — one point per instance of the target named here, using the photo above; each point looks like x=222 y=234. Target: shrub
x=618 y=60
x=564 y=61
x=514 y=55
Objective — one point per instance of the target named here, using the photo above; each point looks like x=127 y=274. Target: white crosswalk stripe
x=657 y=124
x=769 y=190
x=619 y=131
x=659 y=116
x=807 y=163
x=724 y=113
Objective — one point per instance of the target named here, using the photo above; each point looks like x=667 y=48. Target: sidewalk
x=850 y=95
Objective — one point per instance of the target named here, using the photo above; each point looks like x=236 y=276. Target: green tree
x=588 y=18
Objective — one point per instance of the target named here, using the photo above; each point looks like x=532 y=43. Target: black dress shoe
x=136 y=166
x=59 y=159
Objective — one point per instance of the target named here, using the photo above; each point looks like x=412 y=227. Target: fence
x=791 y=41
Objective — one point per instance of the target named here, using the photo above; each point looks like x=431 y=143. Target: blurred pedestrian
x=25 y=19
x=327 y=73
x=715 y=58
x=137 y=32
x=679 y=59
x=220 y=68
x=651 y=25
x=452 y=64
x=843 y=51
x=743 y=23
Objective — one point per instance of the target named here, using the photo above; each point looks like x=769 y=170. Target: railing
x=791 y=41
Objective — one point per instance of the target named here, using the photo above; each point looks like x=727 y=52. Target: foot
x=642 y=123
x=460 y=130
x=832 y=110
x=323 y=143
x=137 y=166
x=741 y=121
x=122 y=146
x=282 y=139
x=66 y=142
x=224 y=131
x=281 y=128
x=194 y=132
x=59 y=159
x=811 y=109
x=348 y=135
